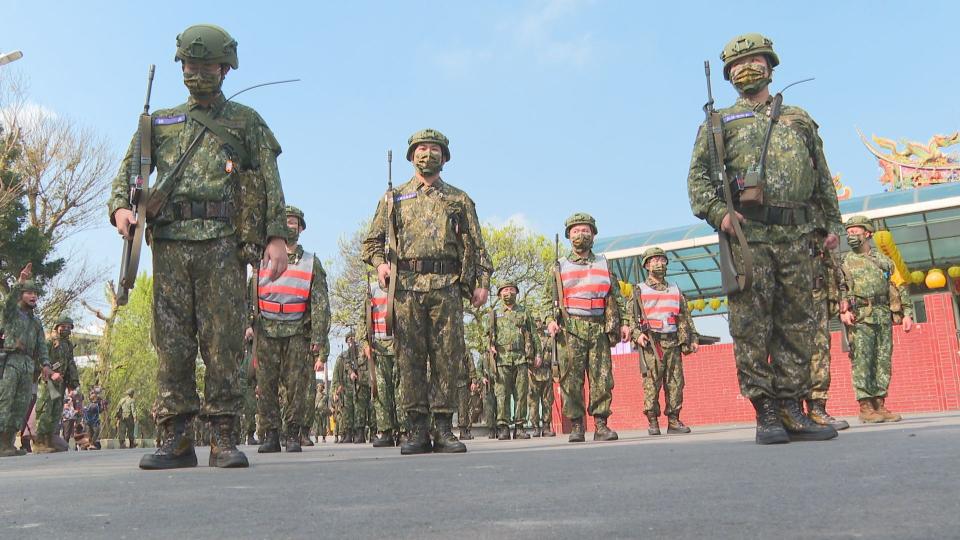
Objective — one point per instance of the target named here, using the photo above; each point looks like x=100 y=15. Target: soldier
x=291 y=325
x=772 y=322
x=247 y=381
x=465 y=383
x=436 y=244
x=385 y=405
x=361 y=397
x=540 y=400
x=664 y=330
x=514 y=345
x=344 y=387
x=870 y=306
x=200 y=243
x=50 y=393
x=489 y=401
x=91 y=418
x=321 y=415
x=126 y=416
x=22 y=347
x=586 y=295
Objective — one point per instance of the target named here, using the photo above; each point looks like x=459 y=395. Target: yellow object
x=699 y=304
x=885 y=243
x=916 y=277
x=954 y=271
x=715 y=303
x=626 y=289
x=935 y=279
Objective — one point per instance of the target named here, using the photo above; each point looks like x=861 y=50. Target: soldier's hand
x=486 y=380
x=537 y=362
x=643 y=341
x=320 y=364
x=473 y=387
x=248 y=334
x=831 y=242
x=907 y=324
x=694 y=346
x=26 y=272
x=124 y=218
x=275 y=257
x=726 y=226
x=383 y=275
x=553 y=328
x=492 y=350
x=848 y=318
x=479 y=297
x=56 y=376
x=624 y=333
x=353 y=376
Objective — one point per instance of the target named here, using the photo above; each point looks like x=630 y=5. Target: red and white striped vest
x=378 y=311
x=661 y=307
x=585 y=287
x=287 y=298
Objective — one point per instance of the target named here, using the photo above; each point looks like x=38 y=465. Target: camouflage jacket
x=796 y=173
x=211 y=172
x=381 y=346
x=436 y=222
x=341 y=382
x=127 y=408
x=867 y=277
x=61 y=352
x=686 y=333
x=517 y=341
x=22 y=330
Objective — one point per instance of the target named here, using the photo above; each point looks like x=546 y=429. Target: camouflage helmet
x=63 y=320
x=579 y=218
x=130 y=392
x=428 y=136
x=859 y=221
x=747 y=45
x=506 y=284
x=31 y=285
x=207 y=44
x=350 y=334
x=650 y=253
x=294 y=211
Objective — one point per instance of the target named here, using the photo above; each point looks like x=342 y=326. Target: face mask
x=64 y=333
x=202 y=84
x=658 y=270
x=509 y=298
x=854 y=241
x=582 y=241
x=750 y=78
x=426 y=162
x=293 y=235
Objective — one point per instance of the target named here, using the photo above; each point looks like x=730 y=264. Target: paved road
x=881 y=481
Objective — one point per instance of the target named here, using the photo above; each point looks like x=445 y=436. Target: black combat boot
x=384 y=439
x=801 y=428
x=25 y=446
x=444 y=441
x=465 y=434
x=576 y=430
x=536 y=431
x=250 y=439
x=769 y=427
x=675 y=426
x=547 y=431
x=418 y=435
x=176 y=446
x=817 y=411
x=7 y=449
x=602 y=431
x=293 y=439
x=224 y=453
x=347 y=437
x=653 y=423
x=520 y=432
x=492 y=434
x=503 y=433
x=132 y=443
x=360 y=436
x=305 y=439
x=271 y=442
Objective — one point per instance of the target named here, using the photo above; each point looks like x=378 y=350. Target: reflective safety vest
x=661 y=308
x=585 y=287
x=378 y=311
x=287 y=298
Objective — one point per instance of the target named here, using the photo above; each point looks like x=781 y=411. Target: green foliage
x=348 y=288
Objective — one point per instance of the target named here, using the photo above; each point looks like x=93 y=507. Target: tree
x=348 y=287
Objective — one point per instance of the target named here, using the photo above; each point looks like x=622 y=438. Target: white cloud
x=519 y=219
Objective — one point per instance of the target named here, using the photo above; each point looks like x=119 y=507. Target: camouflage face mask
x=293 y=235
x=202 y=84
x=509 y=298
x=427 y=162
x=658 y=270
x=582 y=241
x=750 y=78
x=854 y=241
x=63 y=332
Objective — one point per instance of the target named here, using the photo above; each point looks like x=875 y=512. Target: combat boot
x=223 y=445
x=360 y=437
x=769 y=427
x=537 y=431
x=271 y=442
x=418 y=435
x=882 y=410
x=867 y=413
x=250 y=439
x=383 y=439
x=42 y=445
x=7 y=449
x=465 y=434
x=132 y=443
x=602 y=432
x=492 y=434
x=520 y=432
x=503 y=433
x=576 y=431
x=293 y=439
x=653 y=424
x=817 y=411
x=347 y=437
x=799 y=427
x=547 y=432
x=176 y=447
x=675 y=426
x=444 y=441
x=25 y=446
x=305 y=439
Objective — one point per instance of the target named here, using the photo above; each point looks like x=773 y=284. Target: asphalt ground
x=878 y=481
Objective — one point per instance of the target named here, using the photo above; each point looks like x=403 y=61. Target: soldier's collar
x=438 y=184
x=192 y=103
x=653 y=281
x=573 y=257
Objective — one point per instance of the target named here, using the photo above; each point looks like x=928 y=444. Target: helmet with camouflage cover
x=64 y=321
x=859 y=221
x=649 y=253
x=294 y=211
x=31 y=285
x=747 y=45
x=130 y=392
x=506 y=284
x=579 y=218
x=428 y=136
x=207 y=44
x=350 y=334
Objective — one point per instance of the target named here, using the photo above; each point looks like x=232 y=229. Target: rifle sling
x=745 y=280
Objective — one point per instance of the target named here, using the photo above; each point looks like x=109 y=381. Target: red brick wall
x=926 y=377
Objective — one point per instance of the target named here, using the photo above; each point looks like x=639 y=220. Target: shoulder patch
x=398 y=198
x=168 y=120
x=737 y=116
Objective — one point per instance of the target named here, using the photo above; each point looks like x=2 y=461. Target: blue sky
x=551 y=106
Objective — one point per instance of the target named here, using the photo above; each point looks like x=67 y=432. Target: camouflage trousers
x=540 y=400
x=48 y=410
x=284 y=368
x=871 y=349
x=385 y=404
x=511 y=386
x=489 y=407
x=666 y=374
x=126 y=428
x=362 y=408
x=321 y=421
x=584 y=349
x=463 y=406
x=198 y=295
x=248 y=422
x=429 y=332
x=820 y=359
x=773 y=323
x=16 y=389
x=344 y=416
x=310 y=399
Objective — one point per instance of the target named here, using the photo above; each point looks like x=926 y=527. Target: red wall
x=926 y=377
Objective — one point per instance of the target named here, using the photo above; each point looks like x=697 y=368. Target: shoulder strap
x=234 y=144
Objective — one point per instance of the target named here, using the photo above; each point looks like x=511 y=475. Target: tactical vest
x=585 y=287
x=378 y=311
x=287 y=298
x=661 y=308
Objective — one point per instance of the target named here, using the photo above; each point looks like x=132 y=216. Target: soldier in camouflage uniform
x=489 y=400
x=590 y=320
x=321 y=416
x=664 y=331
x=440 y=259
x=23 y=348
x=126 y=416
x=49 y=410
x=773 y=322
x=385 y=405
x=198 y=249
x=363 y=416
x=870 y=304
x=247 y=379
x=540 y=400
x=344 y=388
x=291 y=324
x=515 y=345
x=465 y=383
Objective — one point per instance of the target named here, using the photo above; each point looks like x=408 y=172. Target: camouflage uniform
x=467 y=377
x=247 y=379
x=517 y=345
x=385 y=405
x=50 y=410
x=126 y=416
x=362 y=408
x=321 y=415
x=344 y=390
x=540 y=397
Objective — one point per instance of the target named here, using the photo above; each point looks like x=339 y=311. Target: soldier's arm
x=687 y=331
x=483 y=264
x=372 y=247
x=533 y=340
x=319 y=310
x=73 y=374
x=43 y=352
x=904 y=292
x=704 y=201
x=267 y=150
x=120 y=188
x=547 y=306
x=615 y=308
x=825 y=194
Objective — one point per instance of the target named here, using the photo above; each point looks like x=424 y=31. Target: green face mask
x=658 y=270
x=202 y=84
x=293 y=235
x=582 y=241
x=427 y=163
x=509 y=298
x=751 y=78
x=854 y=241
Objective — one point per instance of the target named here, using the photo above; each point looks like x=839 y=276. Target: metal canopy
x=925 y=223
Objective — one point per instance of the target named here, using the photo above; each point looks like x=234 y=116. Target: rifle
x=559 y=311
x=392 y=255
x=3 y=354
x=368 y=352
x=644 y=328
x=139 y=193
x=731 y=280
x=491 y=356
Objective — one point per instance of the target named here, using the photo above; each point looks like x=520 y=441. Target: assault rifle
x=491 y=355
x=392 y=254
x=644 y=328
x=368 y=350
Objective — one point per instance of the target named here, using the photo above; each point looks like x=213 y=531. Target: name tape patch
x=399 y=198
x=737 y=116
x=167 y=120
